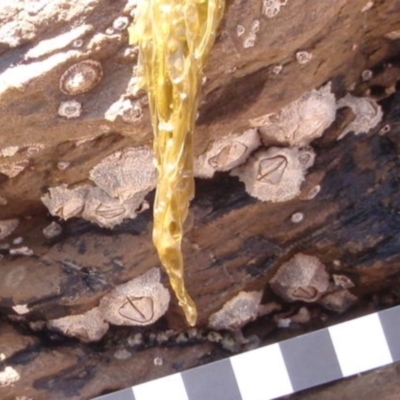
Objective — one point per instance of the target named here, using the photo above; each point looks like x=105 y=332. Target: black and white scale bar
x=283 y=368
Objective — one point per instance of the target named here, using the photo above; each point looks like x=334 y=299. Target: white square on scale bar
x=261 y=374
x=168 y=388
x=360 y=345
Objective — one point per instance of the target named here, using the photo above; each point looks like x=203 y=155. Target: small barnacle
x=301 y=121
x=237 y=312
x=277 y=69
x=14 y=168
x=385 y=129
x=110 y=31
x=21 y=309
x=7 y=226
x=126 y=172
x=140 y=301
x=87 y=327
x=77 y=43
x=366 y=75
x=339 y=301
x=297 y=217
x=302 y=278
x=70 y=109
x=275 y=174
x=226 y=153
x=81 y=77
x=130 y=111
x=271 y=8
x=62 y=165
x=120 y=23
x=65 y=203
x=313 y=192
x=52 y=230
x=240 y=30
x=9 y=151
x=158 y=361
x=343 y=281
x=303 y=57
x=249 y=41
x=368 y=114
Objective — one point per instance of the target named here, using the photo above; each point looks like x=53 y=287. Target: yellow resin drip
x=174 y=37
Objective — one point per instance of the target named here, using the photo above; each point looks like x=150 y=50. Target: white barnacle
x=226 y=153
x=128 y=110
x=52 y=230
x=81 y=77
x=107 y=211
x=70 y=109
x=126 y=173
x=297 y=217
x=368 y=113
x=271 y=8
x=275 y=174
x=339 y=301
x=237 y=312
x=301 y=121
x=302 y=278
x=65 y=203
x=87 y=327
x=120 y=23
x=366 y=75
x=303 y=57
x=140 y=301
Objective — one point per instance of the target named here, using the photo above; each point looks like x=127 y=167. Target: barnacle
x=367 y=111
x=140 y=301
x=175 y=37
x=226 y=153
x=302 y=278
x=275 y=174
x=237 y=312
x=300 y=122
x=81 y=77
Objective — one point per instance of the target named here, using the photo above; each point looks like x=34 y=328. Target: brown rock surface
x=346 y=214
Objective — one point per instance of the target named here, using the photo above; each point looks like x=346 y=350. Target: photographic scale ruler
x=283 y=368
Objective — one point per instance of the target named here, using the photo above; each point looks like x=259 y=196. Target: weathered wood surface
x=233 y=242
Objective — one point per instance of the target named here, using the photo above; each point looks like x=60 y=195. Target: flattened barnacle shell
x=140 y=301
x=81 y=77
x=7 y=226
x=367 y=111
x=65 y=203
x=88 y=327
x=70 y=109
x=339 y=301
x=301 y=121
x=107 y=211
x=226 y=153
x=275 y=174
x=302 y=278
x=237 y=312
x=126 y=172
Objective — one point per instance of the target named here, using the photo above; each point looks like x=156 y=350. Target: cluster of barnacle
x=122 y=180
x=138 y=302
x=304 y=278
x=276 y=171
x=273 y=172
x=301 y=279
